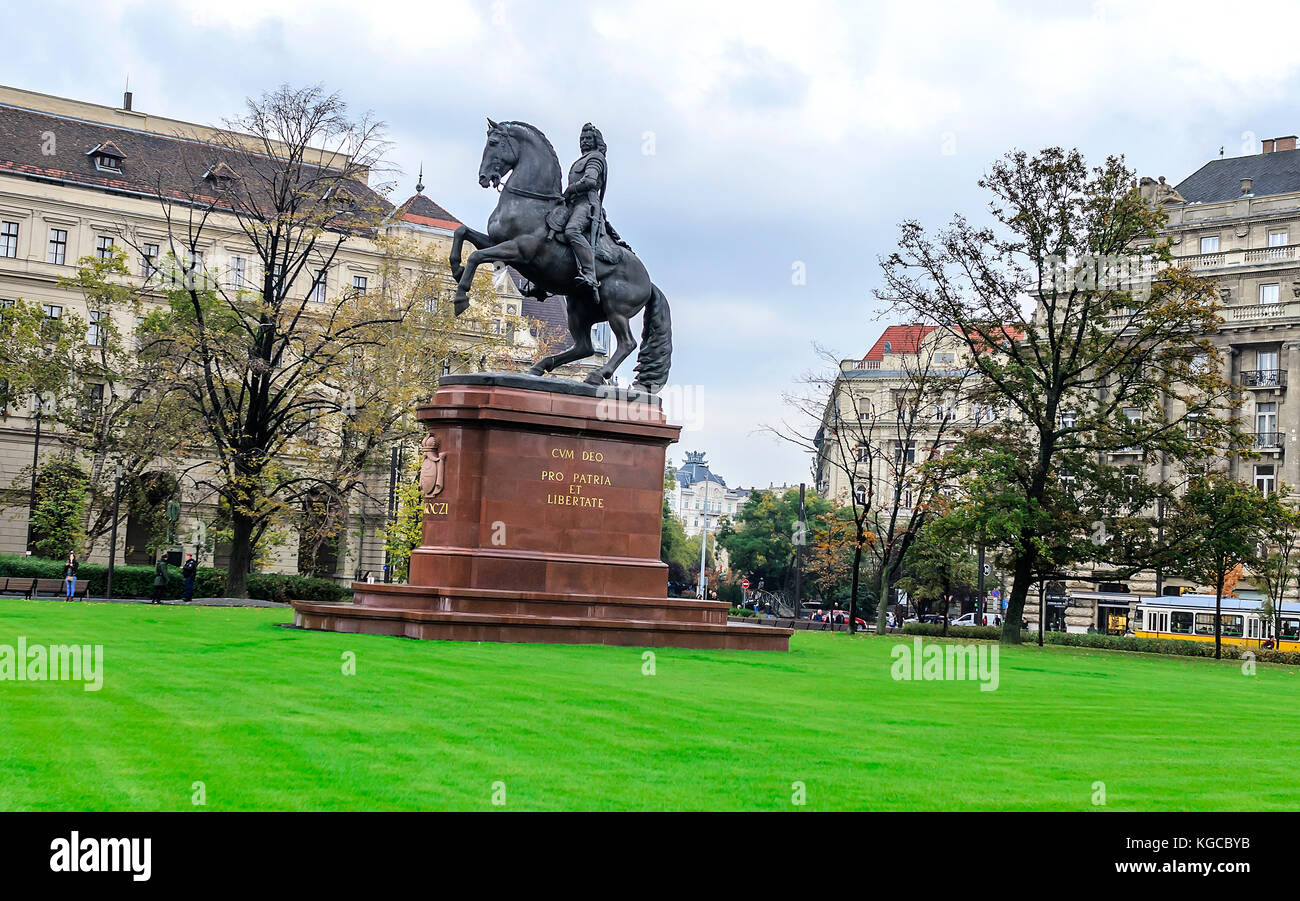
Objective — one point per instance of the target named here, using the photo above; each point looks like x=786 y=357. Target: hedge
x=137 y=581
x=1175 y=646
x=989 y=633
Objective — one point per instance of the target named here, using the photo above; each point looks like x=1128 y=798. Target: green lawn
x=266 y=719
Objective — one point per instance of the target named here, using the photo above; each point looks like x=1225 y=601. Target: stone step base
x=534 y=603
x=439 y=625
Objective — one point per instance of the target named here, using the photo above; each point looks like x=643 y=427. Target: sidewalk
x=197 y=602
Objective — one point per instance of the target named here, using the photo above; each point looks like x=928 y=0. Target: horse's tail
x=656 y=354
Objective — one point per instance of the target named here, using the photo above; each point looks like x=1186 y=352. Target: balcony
x=1263 y=378
x=1269 y=442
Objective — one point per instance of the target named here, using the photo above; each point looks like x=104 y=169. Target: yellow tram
x=1190 y=617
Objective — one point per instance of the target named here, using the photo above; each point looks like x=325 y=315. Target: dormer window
x=220 y=174
x=107 y=157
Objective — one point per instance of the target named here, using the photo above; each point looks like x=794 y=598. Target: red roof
x=420 y=210
x=902 y=339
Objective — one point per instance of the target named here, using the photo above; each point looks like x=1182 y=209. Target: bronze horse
x=517 y=236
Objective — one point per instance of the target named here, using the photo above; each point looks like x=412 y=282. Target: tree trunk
x=1023 y=570
x=882 y=613
x=241 y=555
x=853 y=595
x=1218 y=618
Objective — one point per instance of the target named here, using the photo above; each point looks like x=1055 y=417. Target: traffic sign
x=744 y=583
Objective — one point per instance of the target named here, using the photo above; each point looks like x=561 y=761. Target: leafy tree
x=111 y=412
x=405 y=533
x=299 y=391
x=937 y=565
x=1276 y=564
x=59 y=515
x=1112 y=361
x=760 y=542
x=834 y=554
x=1224 y=523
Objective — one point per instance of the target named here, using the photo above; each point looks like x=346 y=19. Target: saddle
x=609 y=245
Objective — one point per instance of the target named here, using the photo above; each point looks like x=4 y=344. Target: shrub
x=988 y=633
x=743 y=612
x=1175 y=646
x=137 y=581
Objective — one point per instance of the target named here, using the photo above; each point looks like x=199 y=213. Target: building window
x=104 y=248
x=904 y=452
x=1210 y=244
x=1277 y=238
x=1200 y=363
x=1268 y=293
x=149 y=261
x=358 y=285
x=860 y=495
x=318 y=287
x=58 y=246
x=237 y=274
x=96 y=334
x=1265 y=479
x=93 y=403
x=8 y=239
x=1069 y=419
x=53 y=313
x=1266 y=425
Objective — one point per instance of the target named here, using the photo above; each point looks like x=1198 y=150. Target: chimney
x=1246 y=184
x=1267 y=144
x=126 y=100
x=1284 y=143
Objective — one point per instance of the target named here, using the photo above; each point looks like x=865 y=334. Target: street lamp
x=704 y=537
x=112 y=537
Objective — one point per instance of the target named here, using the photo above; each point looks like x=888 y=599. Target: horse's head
x=500 y=156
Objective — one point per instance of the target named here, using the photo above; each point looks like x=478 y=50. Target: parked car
x=984 y=619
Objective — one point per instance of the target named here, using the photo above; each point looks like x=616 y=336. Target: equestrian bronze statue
x=561 y=242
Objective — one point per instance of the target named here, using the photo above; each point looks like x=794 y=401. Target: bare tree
x=878 y=446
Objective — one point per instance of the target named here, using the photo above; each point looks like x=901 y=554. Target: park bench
x=24 y=586
x=56 y=588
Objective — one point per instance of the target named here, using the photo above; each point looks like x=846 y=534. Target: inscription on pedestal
x=580 y=488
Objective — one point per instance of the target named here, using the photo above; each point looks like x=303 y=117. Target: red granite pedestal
x=545 y=527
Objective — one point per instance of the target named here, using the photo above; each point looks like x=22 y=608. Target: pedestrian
x=159 y=579
x=370 y=577
x=70 y=574
x=189 y=570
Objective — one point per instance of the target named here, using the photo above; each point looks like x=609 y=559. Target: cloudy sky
x=748 y=140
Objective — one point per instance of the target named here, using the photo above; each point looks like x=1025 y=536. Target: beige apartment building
x=78 y=179
x=869 y=404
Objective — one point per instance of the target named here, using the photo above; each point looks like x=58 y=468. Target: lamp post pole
x=704 y=538
x=112 y=536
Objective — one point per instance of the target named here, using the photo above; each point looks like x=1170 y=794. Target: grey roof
x=1218 y=180
x=696 y=469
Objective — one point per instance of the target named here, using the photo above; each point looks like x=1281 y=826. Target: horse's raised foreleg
x=622 y=329
x=458 y=238
x=580 y=329
x=505 y=252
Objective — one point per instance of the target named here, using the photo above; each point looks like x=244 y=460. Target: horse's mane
x=555 y=157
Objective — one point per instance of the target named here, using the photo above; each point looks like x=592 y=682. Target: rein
x=533 y=194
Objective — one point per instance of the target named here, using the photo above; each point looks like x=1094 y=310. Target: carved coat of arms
x=432 y=468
